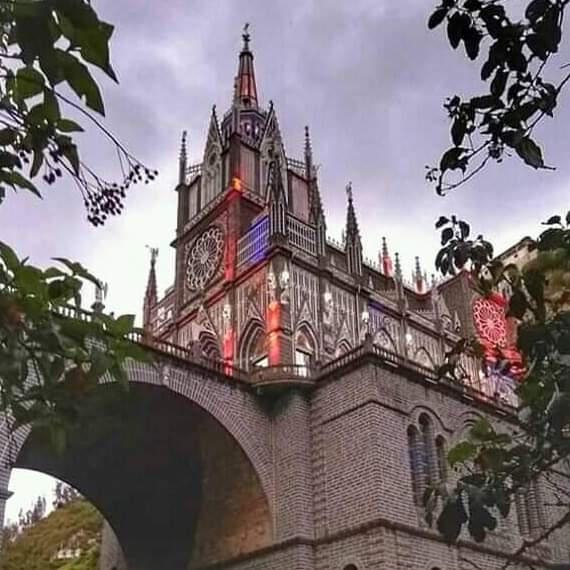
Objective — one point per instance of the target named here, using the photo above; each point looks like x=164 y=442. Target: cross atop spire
x=351 y=224
x=245 y=87
x=246 y=37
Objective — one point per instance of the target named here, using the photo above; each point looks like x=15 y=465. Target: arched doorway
x=156 y=465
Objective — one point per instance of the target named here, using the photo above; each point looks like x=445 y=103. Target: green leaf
x=78 y=12
x=71 y=153
x=458 y=131
x=9 y=257
x=16 y=179
x=452 y=518
x=553 y=220
x=29 y=82
x=68 y=126
x=530 y=152
x=482 y=430
x=461 y=452
x=450 y=159
x=51 y=106
x=123 y=325
x=537 y=46
x=437 y=18
x=456 y=28
x=484 y=102
x=81 y=81
x=8 y=136
x=472 y=40
x=499 y=82
x=536 y=9
x=443 y=220
x=37 y=162
x=95 y=47
x=446 y=235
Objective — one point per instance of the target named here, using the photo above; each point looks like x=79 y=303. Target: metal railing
x=252 y=246
x=301 y=235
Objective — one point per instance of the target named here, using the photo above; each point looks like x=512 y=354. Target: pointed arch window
x=415 y=464
x=427 y=456
x=441 y=458
x=304 y=352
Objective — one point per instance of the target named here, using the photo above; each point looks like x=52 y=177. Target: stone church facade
x=313 y=406
x=348 y=344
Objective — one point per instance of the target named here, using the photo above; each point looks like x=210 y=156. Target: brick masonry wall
x=333 y=467
x=362 y=476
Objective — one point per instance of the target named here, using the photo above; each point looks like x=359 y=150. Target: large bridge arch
x=180 y=466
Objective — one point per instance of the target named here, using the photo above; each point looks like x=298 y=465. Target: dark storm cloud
x=366 y=75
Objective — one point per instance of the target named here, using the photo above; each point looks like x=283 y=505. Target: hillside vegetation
x=66 y=539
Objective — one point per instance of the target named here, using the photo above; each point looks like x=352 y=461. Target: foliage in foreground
x=50 y=363
x=494 y=463
x=518 y=54
x=76 y=524
x=48 y=52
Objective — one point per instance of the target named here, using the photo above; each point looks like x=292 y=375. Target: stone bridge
x=185 y=466
x=200 y=466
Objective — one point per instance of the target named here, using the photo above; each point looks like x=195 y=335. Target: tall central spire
x=246 y=89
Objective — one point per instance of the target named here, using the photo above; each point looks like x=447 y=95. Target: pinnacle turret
x=418 y=276
x=182 y=159
x=308 y=154
x=151 y=295
x=386 y=260
x=352 y=231
x=353 y=242
x=397 y=267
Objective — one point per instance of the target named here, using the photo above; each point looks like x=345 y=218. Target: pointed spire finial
x=418 y=276
x=352 y=232
x=245 y=86
x=183 y=146
x=151 y=296
x=182 y=159
x=385 y=259
x=397 y=267
x=308 y=154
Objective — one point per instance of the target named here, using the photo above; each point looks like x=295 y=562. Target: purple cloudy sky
x=367 y=77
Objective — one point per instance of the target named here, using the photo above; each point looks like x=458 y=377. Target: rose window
x=204 y=258
x=490 y=322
